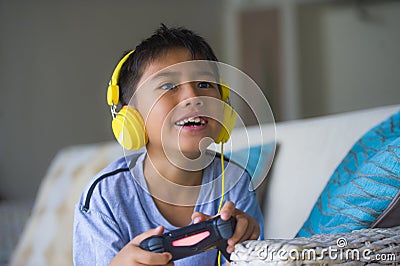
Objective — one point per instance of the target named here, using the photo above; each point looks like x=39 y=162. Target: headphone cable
x=222 y=191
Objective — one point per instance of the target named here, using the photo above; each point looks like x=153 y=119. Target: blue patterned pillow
x=362 y=186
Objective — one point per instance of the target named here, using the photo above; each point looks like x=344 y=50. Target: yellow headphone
x=128 y=125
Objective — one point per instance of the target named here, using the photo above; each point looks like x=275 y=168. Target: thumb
x=152 y=232
x=198 y=217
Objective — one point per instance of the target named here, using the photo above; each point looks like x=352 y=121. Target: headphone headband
x=113 y=87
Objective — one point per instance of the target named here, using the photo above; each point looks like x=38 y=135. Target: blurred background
x=309 y=57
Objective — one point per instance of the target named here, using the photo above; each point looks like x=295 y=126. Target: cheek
x=215 y=110
x=159 y=118
x=154 y=121
x=151 y=109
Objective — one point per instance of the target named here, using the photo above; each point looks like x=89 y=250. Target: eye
x=205 y=85
x=168 y=86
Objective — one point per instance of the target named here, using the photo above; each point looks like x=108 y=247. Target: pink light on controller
x=191 y=240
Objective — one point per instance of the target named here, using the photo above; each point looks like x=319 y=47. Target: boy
x=124 y=204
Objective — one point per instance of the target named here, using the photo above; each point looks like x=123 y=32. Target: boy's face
x=180 y=110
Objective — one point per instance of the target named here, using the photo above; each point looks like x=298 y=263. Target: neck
x=169 y=179
x=175 y=168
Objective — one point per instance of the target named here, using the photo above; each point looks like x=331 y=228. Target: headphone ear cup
x=129 y=129
x=228 y=122
x=225 y=92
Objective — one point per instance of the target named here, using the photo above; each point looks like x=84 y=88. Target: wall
x=56 y=60
x=349 y=56
x=334 y=55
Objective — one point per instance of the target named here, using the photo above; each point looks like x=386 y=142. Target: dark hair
x=150 y=49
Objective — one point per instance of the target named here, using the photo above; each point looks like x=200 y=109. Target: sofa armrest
x=47 y=235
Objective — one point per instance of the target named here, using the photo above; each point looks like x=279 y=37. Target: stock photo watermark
x=340 y=252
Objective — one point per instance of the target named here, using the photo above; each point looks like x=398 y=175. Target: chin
x=191 y=155
x=195 y=145
x=191 y=148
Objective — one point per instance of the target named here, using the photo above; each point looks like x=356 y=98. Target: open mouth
x=192 y=122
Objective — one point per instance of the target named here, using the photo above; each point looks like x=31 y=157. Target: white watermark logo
x=340 y=252
x=341 y=242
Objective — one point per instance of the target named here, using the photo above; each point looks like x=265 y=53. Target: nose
x=190 y=96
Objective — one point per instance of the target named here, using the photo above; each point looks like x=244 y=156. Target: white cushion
x=308 y=153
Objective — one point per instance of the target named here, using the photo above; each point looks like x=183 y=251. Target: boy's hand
x=246 y=227
x=132 y=254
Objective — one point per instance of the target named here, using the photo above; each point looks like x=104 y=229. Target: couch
x=307 y=154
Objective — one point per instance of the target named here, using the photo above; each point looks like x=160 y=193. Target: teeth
x=191 y=120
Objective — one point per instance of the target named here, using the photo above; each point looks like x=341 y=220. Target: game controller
x=193 y=239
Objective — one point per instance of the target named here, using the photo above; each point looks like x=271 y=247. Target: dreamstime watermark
x=331 y=253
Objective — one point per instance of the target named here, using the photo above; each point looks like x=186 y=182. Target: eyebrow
x=165 y=74
x=174 y=74
x=206 y=73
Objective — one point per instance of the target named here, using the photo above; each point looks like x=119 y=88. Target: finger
x=253 y=231
x=152 y=232
x=256 y=232
x=151 y=258
x=247 y=234
x=227 y=210
x=171 y=263
x=199 y=217
x=242 y=224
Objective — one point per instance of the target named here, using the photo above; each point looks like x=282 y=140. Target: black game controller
x=193 y=239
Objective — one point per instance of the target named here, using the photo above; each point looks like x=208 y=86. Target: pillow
x=47 y=236
x=256 y=160
x=364 y=188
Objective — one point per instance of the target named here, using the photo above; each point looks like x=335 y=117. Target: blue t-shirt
x=116 y=207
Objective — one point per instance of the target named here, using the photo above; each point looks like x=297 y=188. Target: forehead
x=167 y=65
x=168 y=58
